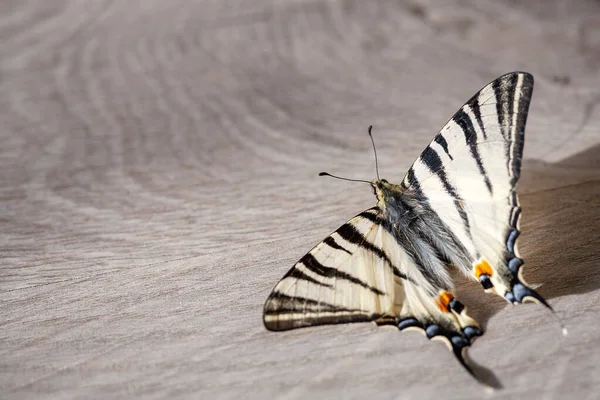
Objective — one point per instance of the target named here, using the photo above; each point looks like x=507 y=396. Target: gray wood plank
x=159 y=165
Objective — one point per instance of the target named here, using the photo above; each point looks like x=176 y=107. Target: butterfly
x=456 y=208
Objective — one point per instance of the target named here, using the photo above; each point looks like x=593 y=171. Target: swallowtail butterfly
x=457 y=206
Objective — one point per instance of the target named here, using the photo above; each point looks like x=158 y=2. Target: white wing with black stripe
x=345 y=278
x=457 y=206
x=365 y=272
x=468 y=175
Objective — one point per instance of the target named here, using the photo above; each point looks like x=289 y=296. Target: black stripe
x=519 y=139
x=415 y=186
x=311 y=320
x=368 y=214
x=285 y=310
x=475 y=107
x=431 y=159
x=284 y=298
x=351 y=234
x=433 y=162
x=500 y=93
x=464 y=121
x=298 y=274
x=511 y=91
x=315 y=266
x=514 y=199
x=411 y=180
x=439 y=139
x=293 y=304
x=515 y=217
x=329 y=241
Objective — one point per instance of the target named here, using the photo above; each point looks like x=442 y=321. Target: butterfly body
x=457 y=207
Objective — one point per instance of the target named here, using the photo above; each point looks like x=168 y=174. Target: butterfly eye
x=373 y=189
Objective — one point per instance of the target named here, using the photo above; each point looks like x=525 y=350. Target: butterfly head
x=384 y=190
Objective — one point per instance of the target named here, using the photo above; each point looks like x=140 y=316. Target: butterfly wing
x=345 y=278
x=361 y=272
x=468 y=175
x=464 y=184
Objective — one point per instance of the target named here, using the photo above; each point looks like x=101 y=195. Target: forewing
x=468 y=175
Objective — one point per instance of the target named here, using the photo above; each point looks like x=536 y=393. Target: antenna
x=374 y=151
x=344 y=179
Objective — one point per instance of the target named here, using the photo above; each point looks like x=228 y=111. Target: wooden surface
x=159 y=164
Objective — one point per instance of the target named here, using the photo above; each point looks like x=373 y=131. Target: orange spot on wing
x=483 y=268
x=443 y=301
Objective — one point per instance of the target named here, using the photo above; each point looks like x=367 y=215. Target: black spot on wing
x=485 y=281
x=514 y=264
x=511 y=240
x=409 y=322
x=456 y=306
x=471 y=332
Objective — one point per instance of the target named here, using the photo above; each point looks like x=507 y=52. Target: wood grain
x=159 y=164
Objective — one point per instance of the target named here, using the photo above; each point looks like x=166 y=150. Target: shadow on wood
x=564 y=226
